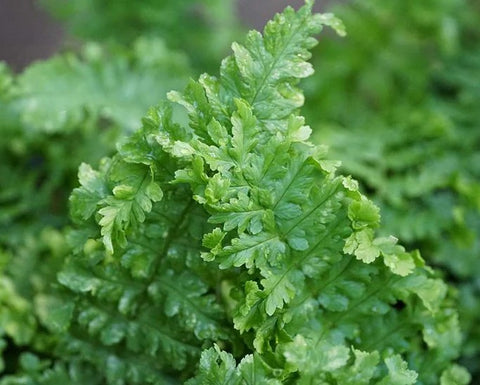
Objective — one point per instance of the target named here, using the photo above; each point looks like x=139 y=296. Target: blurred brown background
x=28 y=33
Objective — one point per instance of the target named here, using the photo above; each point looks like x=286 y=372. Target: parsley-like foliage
x=232 y=242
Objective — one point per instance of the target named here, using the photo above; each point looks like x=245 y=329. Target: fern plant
x=229 y=250
x=218 y=245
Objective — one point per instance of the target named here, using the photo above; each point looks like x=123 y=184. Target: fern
x=233 y=239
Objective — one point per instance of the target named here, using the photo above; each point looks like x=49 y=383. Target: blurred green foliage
x=204 y=29
x=398 y=102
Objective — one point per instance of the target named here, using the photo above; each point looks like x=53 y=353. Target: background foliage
x=399 y=106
